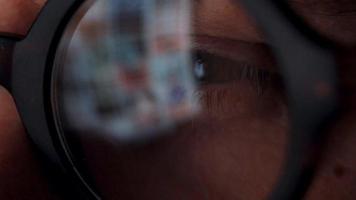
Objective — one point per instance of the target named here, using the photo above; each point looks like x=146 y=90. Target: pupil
x=199 y=69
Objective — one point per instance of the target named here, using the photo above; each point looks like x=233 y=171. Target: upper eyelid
x=330 y=8
x=256 y=54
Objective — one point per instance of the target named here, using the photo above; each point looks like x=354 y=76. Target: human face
x=235 y=148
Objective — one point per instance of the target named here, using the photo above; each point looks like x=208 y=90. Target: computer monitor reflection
x=128 y=70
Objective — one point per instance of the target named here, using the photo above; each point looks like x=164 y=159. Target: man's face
x=234 y=149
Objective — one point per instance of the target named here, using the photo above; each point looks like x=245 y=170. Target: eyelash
x=219 y=70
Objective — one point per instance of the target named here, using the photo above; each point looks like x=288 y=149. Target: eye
x=210 y=69
x=199 y=69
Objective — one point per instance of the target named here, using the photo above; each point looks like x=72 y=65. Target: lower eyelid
x=209 y=97
x=236 y=99
x=228 y=99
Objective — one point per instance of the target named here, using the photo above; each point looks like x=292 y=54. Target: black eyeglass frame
x=304 y=59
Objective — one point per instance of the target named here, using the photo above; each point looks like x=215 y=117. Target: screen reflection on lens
x=128 y=69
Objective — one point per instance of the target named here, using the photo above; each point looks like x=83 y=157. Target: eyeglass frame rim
x=31 y=67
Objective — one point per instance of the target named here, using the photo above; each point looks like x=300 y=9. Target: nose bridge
x=17 y=16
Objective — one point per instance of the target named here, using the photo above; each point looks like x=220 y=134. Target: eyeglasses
x=143 y=84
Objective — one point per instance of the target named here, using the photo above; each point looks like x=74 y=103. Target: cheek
x=337 y=176
x=232 y=150
x=242 y=142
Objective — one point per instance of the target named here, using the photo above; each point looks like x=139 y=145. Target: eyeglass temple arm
x=308 y=68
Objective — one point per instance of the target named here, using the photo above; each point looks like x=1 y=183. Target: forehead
x=226 y=18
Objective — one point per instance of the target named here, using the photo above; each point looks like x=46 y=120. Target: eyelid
x=221 y=70
x=256 y=54
x=324 y=8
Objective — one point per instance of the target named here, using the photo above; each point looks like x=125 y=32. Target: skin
x=234 y=149
x=18 y=15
